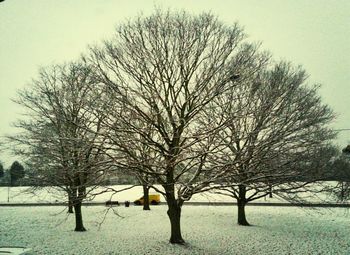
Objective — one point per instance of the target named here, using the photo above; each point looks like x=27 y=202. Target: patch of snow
x=14 y=250
x=207 y=230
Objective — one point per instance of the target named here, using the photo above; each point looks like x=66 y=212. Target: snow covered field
x=19 y=195
x=207 y=230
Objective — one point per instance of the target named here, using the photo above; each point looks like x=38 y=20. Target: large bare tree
x=56 y=138
x=160 y=73
x=275 y=136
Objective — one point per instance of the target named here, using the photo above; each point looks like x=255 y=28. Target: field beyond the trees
x=206 y=229
x=50 y=195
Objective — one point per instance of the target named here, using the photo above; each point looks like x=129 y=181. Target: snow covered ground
x=207 y=229
x=20 y=195
x=48 y=195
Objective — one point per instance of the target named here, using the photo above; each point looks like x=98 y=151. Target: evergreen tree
x=16 y=172
x=2 y=173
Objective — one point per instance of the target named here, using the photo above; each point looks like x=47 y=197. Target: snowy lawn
x=207 y=230
x=50 y=195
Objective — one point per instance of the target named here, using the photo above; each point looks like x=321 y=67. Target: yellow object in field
x=154 y=199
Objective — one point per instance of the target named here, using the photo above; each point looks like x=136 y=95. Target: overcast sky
x=313 y=33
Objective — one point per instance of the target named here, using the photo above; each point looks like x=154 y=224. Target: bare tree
x=160 y=72
x=276 y=127
x=56 y=139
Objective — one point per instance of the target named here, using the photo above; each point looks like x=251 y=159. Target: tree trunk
x=78 y=217
x=146 y=197
x=241 y=214
x=70 y=203
x=241 y=202
x=174 y=213
x=270 y=191
x=174 y=206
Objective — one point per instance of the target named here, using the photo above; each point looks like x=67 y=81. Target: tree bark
x=146 y=197
x=174 y=210
x=241 y=202
x=174 y=213
x=78 y=217
x=70 y=203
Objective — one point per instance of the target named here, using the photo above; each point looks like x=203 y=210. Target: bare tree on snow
x=161 y=72
x=275 y=135
x=56 y=138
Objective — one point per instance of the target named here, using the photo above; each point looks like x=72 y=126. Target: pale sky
x=311 y=33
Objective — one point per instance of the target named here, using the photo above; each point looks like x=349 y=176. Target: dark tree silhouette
x=341 y=170
x=346 y=150
x=2 y=173
x=16 y=172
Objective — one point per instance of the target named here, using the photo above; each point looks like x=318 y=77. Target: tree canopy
x=180 y=100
